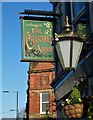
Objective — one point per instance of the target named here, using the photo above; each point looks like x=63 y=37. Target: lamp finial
x=67 y=21
x=67 y=25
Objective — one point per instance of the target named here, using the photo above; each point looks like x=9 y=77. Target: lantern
x=68 y=45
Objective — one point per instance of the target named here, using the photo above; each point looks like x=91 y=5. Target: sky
x=47 y=0
x=14 y=74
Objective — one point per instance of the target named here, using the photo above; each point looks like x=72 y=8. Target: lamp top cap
x=68 y=32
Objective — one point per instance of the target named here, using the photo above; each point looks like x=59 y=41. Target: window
x=77 y=7
x=44 y=102
x=81 y=29
x=78 y=16
x=77 y=11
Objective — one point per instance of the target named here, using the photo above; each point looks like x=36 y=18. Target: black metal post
x=17 y=105
x=17 y=112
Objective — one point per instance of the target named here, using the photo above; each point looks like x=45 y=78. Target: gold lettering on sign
x=36 y=31
x=34 y=25
x=36 y=39
x=34 y=42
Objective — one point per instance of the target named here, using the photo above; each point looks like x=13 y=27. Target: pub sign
x=37 y=37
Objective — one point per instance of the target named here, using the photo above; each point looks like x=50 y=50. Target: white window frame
x=41 y=112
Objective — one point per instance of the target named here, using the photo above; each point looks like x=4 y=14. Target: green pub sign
x=36 y=40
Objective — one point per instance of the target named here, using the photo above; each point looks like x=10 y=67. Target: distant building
x=40 y=96
x=22 y=114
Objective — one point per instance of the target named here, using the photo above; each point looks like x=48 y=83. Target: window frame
x=75 y=18
x=41 y=102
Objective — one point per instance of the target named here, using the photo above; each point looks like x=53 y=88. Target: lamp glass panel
x=64 y=48
x=77 y=47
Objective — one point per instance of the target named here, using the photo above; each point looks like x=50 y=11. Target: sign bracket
x=39 y=12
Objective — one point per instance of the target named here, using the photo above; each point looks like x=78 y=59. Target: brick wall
x=40 y=77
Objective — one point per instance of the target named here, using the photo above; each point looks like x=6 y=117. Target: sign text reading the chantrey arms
x=36 y=40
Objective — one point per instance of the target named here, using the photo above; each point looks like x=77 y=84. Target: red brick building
x=40 y=96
